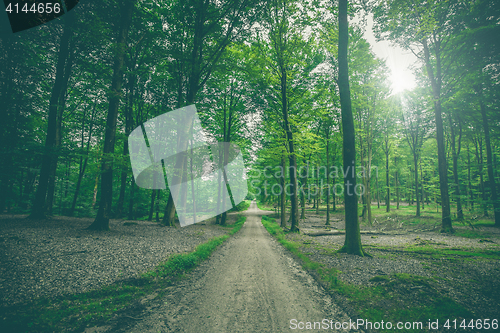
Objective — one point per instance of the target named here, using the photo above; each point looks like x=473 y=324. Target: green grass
x=76 y=311
x=274 y=229
x=242 y=206
x=263 y=206
x=385 y=300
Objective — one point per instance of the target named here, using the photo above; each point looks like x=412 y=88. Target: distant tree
x=101 y=221
x=42 y=205
x=426 y=25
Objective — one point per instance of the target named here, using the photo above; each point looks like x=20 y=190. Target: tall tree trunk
x=318 y=193
x=479 y=157
x=327 y=179
x=283 y=194
x=101 y=221
x=294 y=212
x=352 y=242
x=158 y=205
x=396 y=182
x=302 y=194
x=131 y=202
x=128 y=130
x=49 y=162
x=415 y=163
x=387 y=185
x=471 y=205
x=455 y=153
x=83 y=161
x=422 y=186
x=378 y=193
x=443 y=169
x=61 y=106
x=489 y=161
x=152 y=205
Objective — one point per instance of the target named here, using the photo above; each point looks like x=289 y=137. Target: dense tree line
x=289 y=81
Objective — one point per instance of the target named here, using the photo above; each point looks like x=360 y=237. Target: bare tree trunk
x=455 y=153
x=388 y=189
x=396 y=182
x=158 y=205
x=49 y=162
x=152 y=205
x=131 y=202
x=443 y=169
x=352 y=244
x=327 y=179
x=471 y=205
x=283 y=195
x=101 y=221
x=318 y=193
x=489 y=161
x=479 y=157
x=128 y=129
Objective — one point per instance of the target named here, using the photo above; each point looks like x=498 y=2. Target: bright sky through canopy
x=397 y=59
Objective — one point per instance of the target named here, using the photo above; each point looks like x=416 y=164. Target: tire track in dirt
x=250 y=284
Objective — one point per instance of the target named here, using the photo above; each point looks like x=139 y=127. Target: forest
x=268 y=80
x=293 y=83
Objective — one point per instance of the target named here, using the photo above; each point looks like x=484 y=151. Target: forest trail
x=250 y=284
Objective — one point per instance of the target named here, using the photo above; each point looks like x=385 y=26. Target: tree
x=101 y=221
x=198 y=34
x=425 y=24
x=415 y=126
x=352 y=244
x=45 y=190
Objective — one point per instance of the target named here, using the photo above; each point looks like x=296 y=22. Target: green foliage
x=242 y=206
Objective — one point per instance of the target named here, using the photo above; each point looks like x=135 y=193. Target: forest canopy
x=279 y=79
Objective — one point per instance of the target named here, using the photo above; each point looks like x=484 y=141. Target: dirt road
x=250 y=284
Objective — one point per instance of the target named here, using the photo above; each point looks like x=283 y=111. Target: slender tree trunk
x=471 y=196
x=455 y=153
x=131 y=202
x=415 y=163
x=128 y=130
x=318 y=193
x=49 y=162
x=396 y=182
x=158 y=205
x=422 y=186
x=283 y=194
x=479 y=157
x=489 y=161
x=327 y=180
x=302 y=194
x=101 y=221
x=443 y=169
x=387 y=185
x=292 y=160
x=96 y=186
x=352 y=242
x=152 y=205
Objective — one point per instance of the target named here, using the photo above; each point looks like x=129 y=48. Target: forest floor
x=54 y=273
x=58 y=256
x=414 y=273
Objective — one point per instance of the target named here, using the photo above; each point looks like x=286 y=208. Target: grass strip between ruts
x=77 y=311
